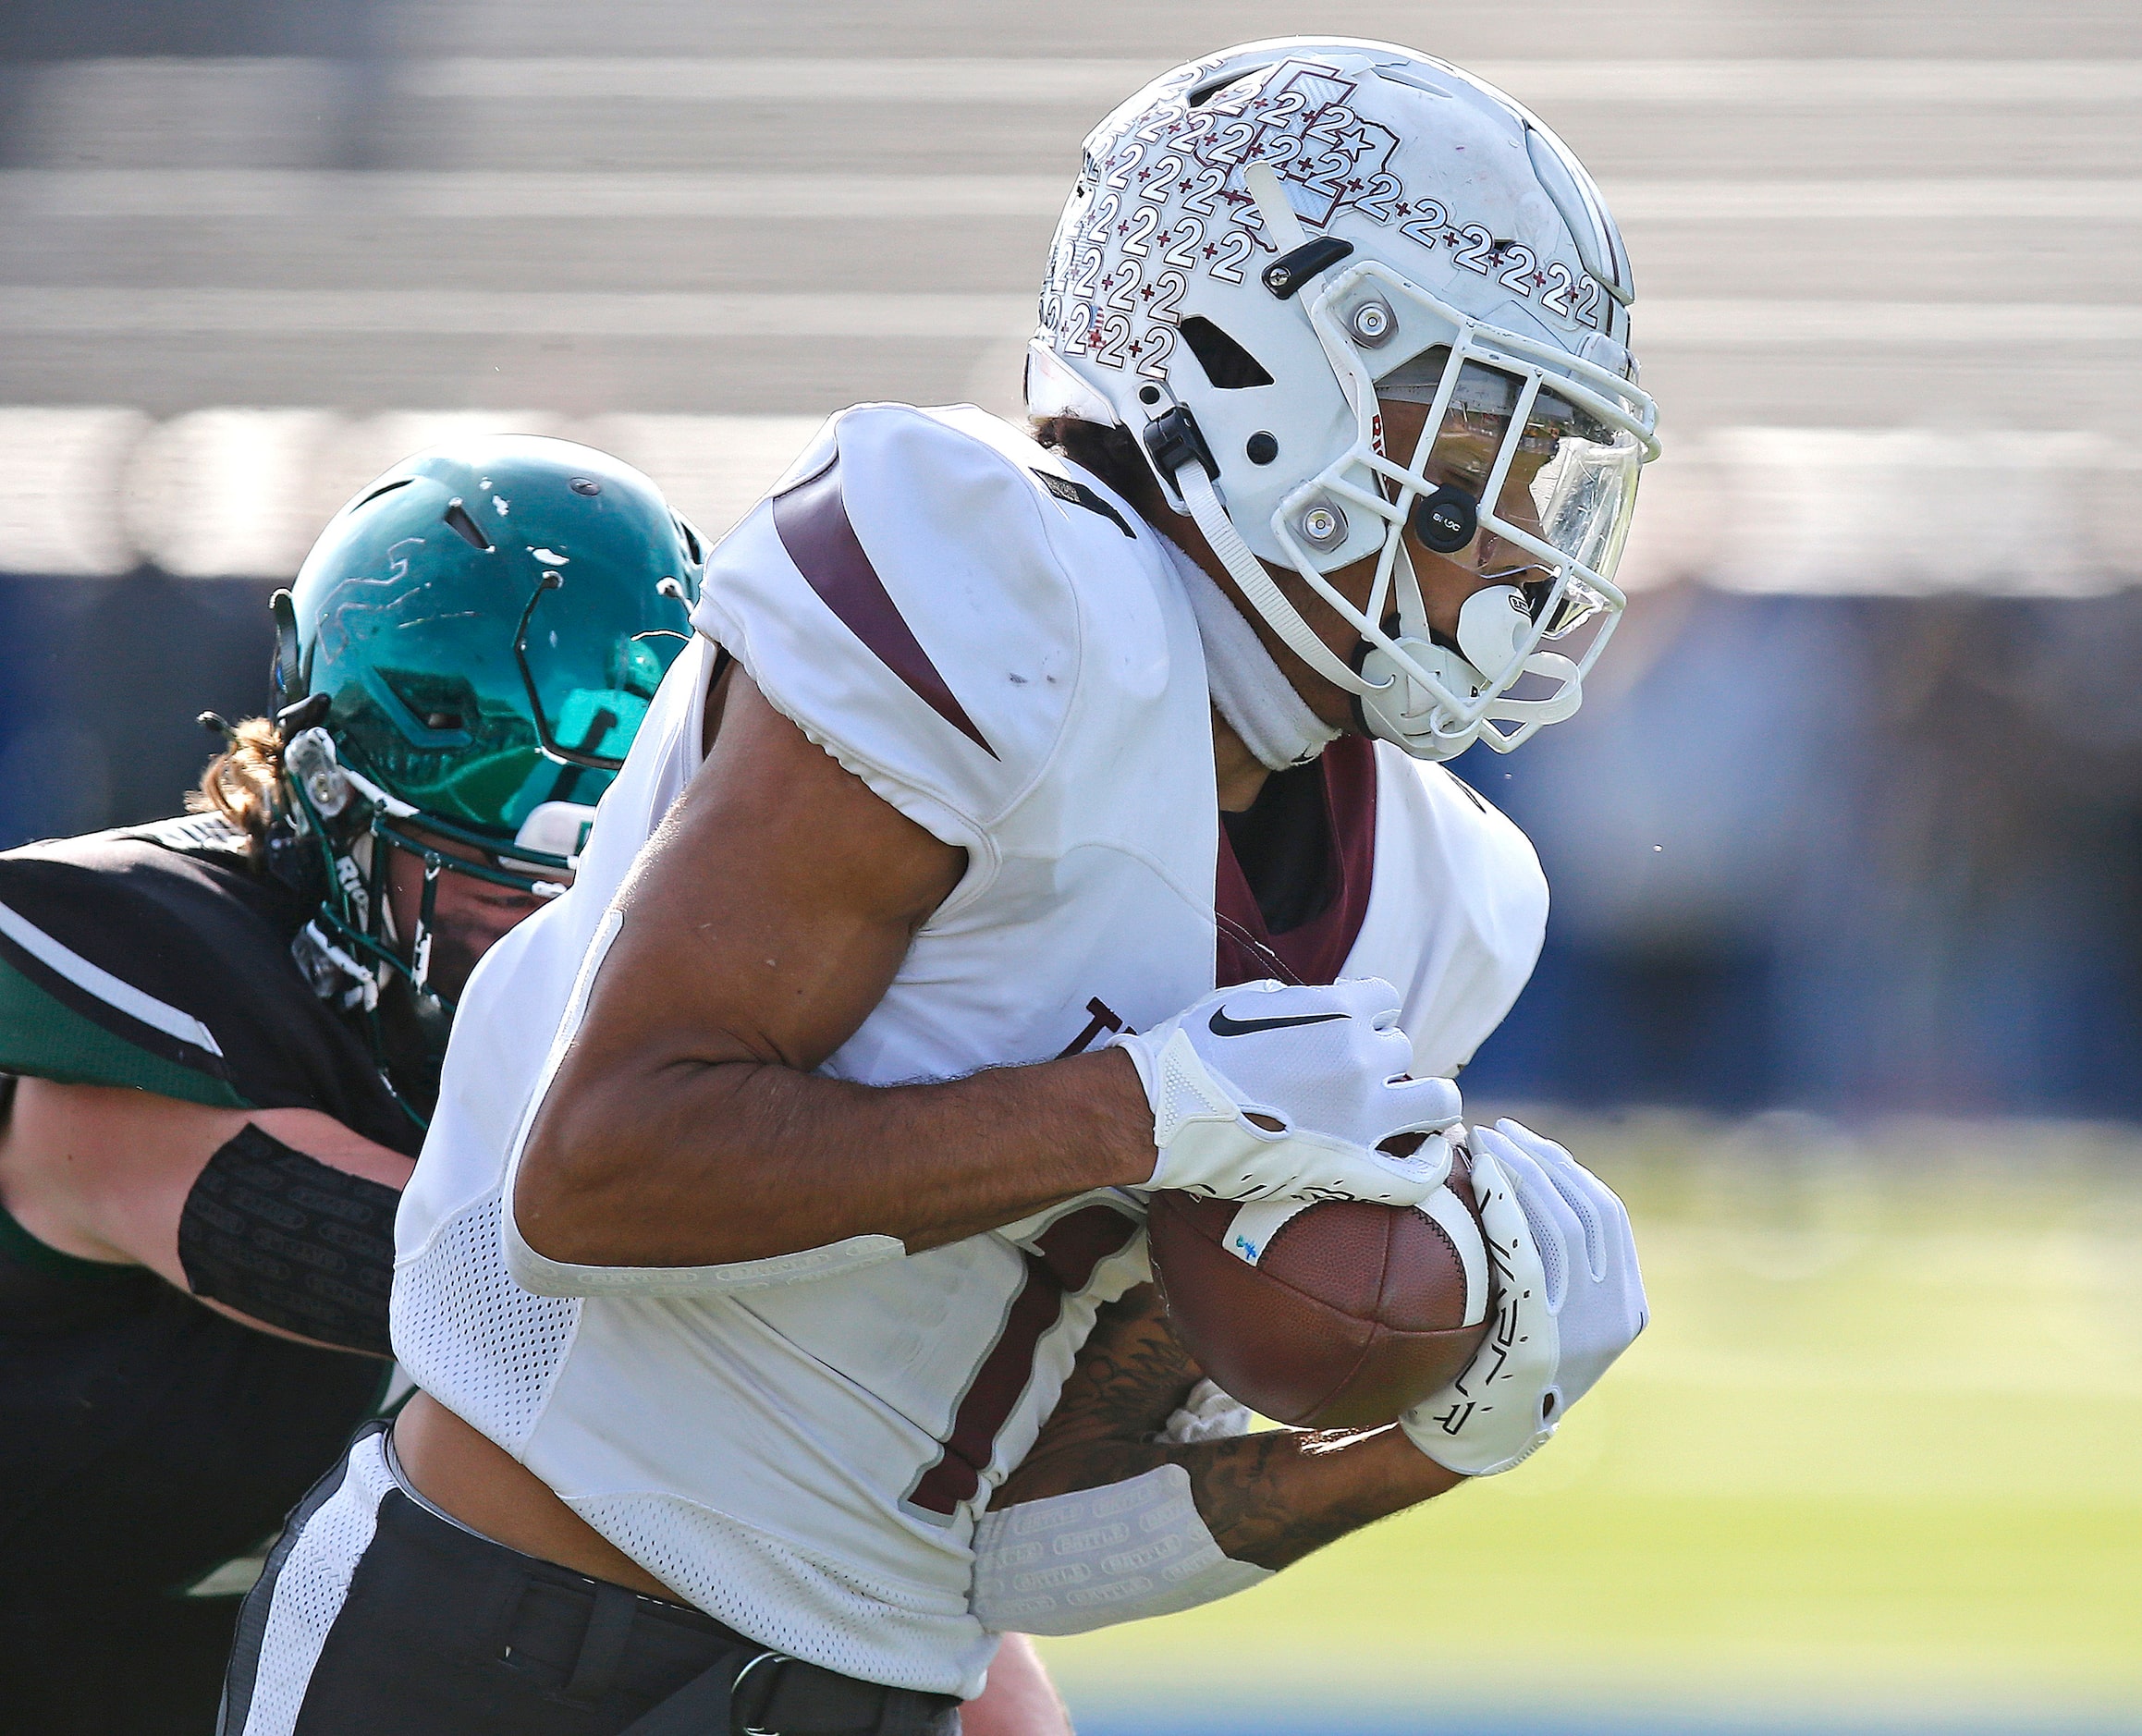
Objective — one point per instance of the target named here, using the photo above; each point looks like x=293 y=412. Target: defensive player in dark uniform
x=220 y=1037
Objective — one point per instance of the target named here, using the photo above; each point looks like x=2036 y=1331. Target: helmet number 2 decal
x=1478 y=252
x=1588 y=307
x=1208 y=182
x=1234 y=251
x=1168 y=289
x=1427 y=224
x=1123 y=286
x=1517 y=273
x=1555 y=298
x=1173 y=188
x=1182 y=238
x=1159 y=346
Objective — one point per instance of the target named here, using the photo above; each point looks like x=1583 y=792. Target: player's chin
x=456 y=952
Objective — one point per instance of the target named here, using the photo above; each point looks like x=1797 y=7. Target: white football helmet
x=1262 y=244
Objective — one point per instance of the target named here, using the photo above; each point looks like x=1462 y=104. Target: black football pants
x=376 y=1615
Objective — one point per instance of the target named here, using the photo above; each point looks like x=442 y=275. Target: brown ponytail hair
x=244 y=783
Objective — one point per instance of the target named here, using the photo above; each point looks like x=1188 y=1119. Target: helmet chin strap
x=1491 y=626
x=1250 y=691
x=1257 y=587
x=1494 y=625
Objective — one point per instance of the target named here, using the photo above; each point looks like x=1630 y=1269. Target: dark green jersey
x=144 y=1439
x=159 y=957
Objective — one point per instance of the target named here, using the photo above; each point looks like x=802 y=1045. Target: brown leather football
x=1331 y=1315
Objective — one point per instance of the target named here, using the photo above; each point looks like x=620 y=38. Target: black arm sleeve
x=292 y=1241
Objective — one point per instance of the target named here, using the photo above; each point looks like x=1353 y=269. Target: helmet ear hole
x=1227 y=365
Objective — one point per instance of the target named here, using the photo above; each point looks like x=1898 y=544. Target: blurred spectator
x=1864 y=854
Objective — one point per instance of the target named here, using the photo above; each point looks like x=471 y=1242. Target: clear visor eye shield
x=1523 y=474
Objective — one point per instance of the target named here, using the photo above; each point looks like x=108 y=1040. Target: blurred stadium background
x=1845 y=982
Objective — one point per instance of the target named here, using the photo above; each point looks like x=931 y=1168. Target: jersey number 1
x=1062 y=1262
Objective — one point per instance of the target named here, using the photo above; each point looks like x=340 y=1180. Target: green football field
x=1879 y=1460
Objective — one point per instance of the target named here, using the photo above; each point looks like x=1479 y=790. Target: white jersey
x=1003 y=651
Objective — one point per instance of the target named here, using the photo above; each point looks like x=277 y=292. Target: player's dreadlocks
x=1112 y=454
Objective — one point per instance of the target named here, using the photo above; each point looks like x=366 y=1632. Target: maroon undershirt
x=1315 y=951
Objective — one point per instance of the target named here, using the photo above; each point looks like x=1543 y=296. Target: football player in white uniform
x=1031 y=824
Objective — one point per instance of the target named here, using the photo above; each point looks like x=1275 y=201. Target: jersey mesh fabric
x=801 y=1424
x=473 y=1338
x=311 y=1589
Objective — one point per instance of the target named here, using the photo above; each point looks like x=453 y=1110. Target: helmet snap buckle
x=1286 y=274
x=310 y=759
x=1173 y=439
x=1322 y=525
x=1372 y=323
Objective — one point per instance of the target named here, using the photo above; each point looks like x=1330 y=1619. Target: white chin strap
x=1491 y=625
x=1249 y=690
x=1257 y=587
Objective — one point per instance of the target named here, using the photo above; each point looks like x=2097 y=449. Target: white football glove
x=1569 y=1299
x=1326 y=1065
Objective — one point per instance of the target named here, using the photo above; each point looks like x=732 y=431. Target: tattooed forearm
x=1130 y=1377
x=1269 y=1498
x=1274 y=1497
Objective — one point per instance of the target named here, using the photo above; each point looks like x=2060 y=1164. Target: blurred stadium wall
x=1849 y=821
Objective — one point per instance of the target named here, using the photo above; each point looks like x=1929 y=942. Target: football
x=1333 y=1313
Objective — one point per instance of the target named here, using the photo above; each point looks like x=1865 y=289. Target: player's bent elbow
x=561 y=1193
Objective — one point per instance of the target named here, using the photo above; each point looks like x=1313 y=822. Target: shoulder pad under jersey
x=1459 y=911
x=157 y=960
x=939 y=601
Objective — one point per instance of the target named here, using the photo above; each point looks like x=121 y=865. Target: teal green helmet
x=461 y=666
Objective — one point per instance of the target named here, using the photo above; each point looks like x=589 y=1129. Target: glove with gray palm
x=1569 y=1299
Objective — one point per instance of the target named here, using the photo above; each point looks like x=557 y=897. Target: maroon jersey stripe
x=1317 y=951
x=812 y=521
x=1069 y=1251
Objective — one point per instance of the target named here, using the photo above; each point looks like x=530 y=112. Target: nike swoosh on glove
x=1322 y=1071
x=1569 y=1299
